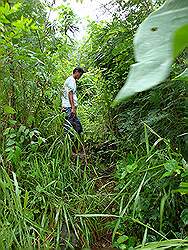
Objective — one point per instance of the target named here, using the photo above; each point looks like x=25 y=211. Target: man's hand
x=63 y=109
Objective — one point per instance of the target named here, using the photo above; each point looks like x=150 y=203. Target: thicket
x=128 y=186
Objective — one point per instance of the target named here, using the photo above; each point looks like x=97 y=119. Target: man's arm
x=73 y=108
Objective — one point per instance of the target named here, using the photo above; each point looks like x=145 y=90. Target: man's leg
x=68 y=123
x=74 y=122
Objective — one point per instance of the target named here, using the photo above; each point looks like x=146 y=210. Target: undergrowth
x=55 y=201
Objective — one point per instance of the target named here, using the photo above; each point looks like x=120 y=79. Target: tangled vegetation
x=128 y=186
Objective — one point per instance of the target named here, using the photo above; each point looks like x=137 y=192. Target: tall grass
x=51 y=200
x=40 y=199
x=143 y=205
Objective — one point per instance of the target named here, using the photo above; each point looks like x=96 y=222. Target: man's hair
x=80 y=70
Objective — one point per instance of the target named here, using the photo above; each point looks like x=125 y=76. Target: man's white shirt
x=69 y=85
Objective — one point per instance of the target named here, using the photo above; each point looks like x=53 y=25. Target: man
x=70 y=102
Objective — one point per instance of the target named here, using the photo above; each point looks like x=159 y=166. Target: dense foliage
x=128 y=185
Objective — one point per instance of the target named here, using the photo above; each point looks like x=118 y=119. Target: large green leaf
x=157 y=41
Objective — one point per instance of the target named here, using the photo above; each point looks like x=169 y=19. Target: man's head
x=77 y=73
